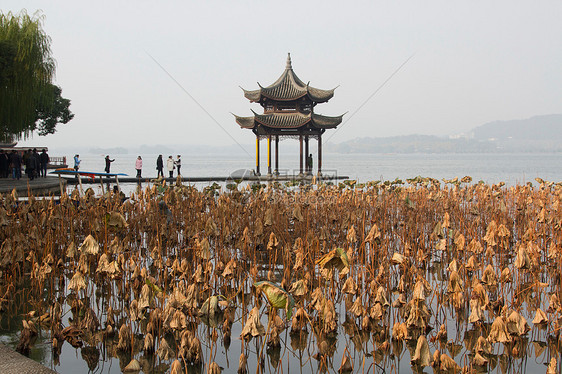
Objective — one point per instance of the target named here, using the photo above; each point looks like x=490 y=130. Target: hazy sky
x=473 y=62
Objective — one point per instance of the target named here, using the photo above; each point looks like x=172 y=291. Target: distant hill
x=536 y=134
x=544 y=128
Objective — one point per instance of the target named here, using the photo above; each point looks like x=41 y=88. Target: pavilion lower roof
x=289 y=121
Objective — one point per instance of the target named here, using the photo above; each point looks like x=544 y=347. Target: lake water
x=512 y=169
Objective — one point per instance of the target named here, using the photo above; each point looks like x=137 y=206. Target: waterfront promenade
x=38 y=186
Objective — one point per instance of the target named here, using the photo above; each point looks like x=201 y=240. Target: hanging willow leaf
x=277 y=297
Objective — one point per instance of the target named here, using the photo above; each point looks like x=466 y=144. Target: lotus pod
x=277 y=297
x=90 y=246
x=421 y=356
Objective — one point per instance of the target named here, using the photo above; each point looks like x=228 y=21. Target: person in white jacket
x=170 y=166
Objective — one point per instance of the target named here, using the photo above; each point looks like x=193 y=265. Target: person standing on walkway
x=30 y=166
x=138 y=166
x=15 y=164
x=44 y=160
x=76 y=162
x=4 y=163
x=160 y=166
x=178 y=164
x=37 y=158
x=170 y=166
x=108 y=162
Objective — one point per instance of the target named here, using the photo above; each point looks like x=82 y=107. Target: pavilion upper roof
x=289 y=120
x=289 y=87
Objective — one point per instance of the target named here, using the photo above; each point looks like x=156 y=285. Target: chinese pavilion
x=288 y=112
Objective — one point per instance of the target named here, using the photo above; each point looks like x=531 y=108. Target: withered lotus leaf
x=133 y=367
x=482 y=346
x=276 y=296
x=517 y=324
x=397 y=259
x=176 y=367
x=552 y=366
x=448 y=364
x=253 y=326
x=116 y=219
x=90 y=246
x=522 y=261
x=540 y=317
x=506 y=276
x=421 y=357
x=479 y=360
x=498 y=331
x=349 y=287
x=242 y=364
x=489 y=276
x=77 y=282
x=455 y=283
x=164 y=351
x=335 y=259
x=300 y=287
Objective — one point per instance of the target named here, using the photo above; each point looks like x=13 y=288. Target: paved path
x=12 y=362
x=38 y=186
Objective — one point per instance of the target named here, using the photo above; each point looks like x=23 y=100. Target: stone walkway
x=38 y=186
x=12 y=362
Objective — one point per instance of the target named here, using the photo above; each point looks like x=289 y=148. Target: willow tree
x=27 y=71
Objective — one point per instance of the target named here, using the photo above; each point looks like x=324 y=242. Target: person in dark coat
x=37 y=158
x=160 y=166
x=30 y=166
x=108 y=162
x=4 y=163
x=15 y=164
x=44 y=160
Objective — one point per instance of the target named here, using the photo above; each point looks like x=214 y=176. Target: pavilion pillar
x=276 y=154
x=269 y=154
x=300 y=141
x=257 y=155
x=319 y=154
x=307 y=167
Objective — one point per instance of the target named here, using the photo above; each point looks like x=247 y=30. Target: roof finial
x=289 y=66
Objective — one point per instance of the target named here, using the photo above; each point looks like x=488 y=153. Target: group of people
x=35 y=163
x=171 y=165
